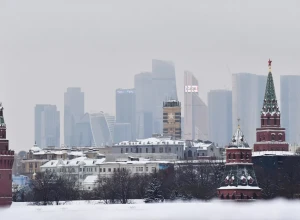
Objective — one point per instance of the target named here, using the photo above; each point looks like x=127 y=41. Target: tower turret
x=6 y=163
x=239 y=181
x=270 y=136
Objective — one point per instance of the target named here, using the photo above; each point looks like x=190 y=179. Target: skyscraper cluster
x=147 y=109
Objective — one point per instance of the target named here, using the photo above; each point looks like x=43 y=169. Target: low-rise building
x=195 y=150
x=163 y=146
x=83 y=167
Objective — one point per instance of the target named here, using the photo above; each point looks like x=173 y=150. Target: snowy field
x=217 y=210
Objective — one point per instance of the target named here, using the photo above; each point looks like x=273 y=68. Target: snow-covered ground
x=216 y=210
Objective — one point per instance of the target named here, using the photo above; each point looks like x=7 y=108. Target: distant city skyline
x=99 y=47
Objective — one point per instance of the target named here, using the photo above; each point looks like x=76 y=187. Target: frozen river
x=218 y=210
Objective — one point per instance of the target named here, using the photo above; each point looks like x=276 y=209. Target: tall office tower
x=219 y=116
x=164 y=89
x=102 y=127
x=290 y=107
x=247 y=97
x=125 y=111
x=47 y=126
x=172 y=119
x=83 y=135
x=122 y=132
x=195 y=110
x=73 y=112
x=144 y=104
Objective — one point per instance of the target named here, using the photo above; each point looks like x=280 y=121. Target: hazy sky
x=47 y=46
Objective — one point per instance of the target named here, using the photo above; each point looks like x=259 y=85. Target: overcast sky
x=47 y=46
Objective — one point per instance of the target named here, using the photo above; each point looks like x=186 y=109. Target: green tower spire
x=2 y=123
x=270 y=101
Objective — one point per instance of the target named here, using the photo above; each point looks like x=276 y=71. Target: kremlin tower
x=239 y=182
x=270 y=136
x=6 y=163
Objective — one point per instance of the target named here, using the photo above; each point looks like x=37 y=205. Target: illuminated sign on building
x=125 y=91
x=191 y=89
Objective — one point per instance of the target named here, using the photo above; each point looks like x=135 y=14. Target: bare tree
x=43 y=186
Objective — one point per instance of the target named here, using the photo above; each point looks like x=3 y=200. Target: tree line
x=184 y=182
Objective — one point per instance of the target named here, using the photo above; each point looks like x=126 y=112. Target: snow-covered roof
x=152 y=141
x=35 y=149
x=238 y=140
x=84 y=161
x=90 y=179
x=272 y=153
x=76 y=153
x=240 y=187
x=137 y=162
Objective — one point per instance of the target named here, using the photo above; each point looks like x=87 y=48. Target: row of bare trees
x=279 y=178
x=186 y=181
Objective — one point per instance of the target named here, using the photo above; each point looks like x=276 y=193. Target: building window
x=161 y=150
x=137 y=169
x=233 y=156
x=126 y=150
x=153 y=169
x=109 y=169
x=146 y=169
x=100 y=170
x=273 y=137
x=121 y=150
x=229 y=156
x=146 y=150
x=103 y=170
x=242 y=156
x=262 y=121
x=115 y=170
x=275 y=121
x=153 y=150
x=268 y=121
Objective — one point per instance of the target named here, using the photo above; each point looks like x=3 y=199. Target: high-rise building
x=164 y=89
x=220 y=116
x=172 y=119
x=73 y=112
x=6 y=164
x=144 y=104
x=290 y=107
x=125 y=111
x=270 y=136
x=195 y=110
x=122 y=132
x=247 y=96
x=47 y=126
x=102 y=127
x=83 y=134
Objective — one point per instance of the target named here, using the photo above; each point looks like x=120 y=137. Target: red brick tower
x=270 y=136
x=6 y=163
x=239 y=182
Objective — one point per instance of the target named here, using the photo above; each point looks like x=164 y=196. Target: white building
x=199 y=150
x=151 y=146
x=83 y=168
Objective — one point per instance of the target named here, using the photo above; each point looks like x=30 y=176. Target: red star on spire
x=270 y=62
